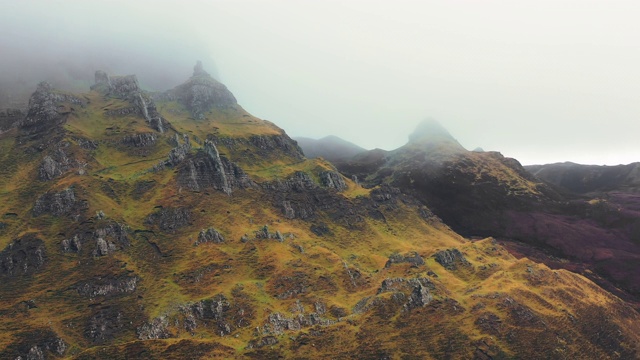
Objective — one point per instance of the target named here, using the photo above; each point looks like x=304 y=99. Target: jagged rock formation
x=140 y=140
x=201 y=93
x=265 y=146
x=107 y=286
x=110 y=238
x=209 y=235
x=36 y=345
x=47 y=110
x=56 y=204
x=450 y=259
x=332 y=180
x=208 y=170
x=22 y=257
x=170 y=219
x=73 y=245
x=127 y=88
x=411 y=258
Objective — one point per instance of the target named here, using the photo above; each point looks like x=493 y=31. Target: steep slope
x=145 y=226
x=483 y=194
x=331 y=148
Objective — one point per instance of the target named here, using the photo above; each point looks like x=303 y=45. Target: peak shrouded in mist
x=541 y=94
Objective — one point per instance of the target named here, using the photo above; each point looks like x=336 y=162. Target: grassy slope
x=259 y=267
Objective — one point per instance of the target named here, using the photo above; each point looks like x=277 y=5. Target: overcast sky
x=541 y=81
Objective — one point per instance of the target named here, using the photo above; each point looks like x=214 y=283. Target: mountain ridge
x=137 y=225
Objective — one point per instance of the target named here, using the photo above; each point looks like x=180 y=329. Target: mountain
x=331 y=148
x=482 y=194
x=176 y=225
x=582 y=179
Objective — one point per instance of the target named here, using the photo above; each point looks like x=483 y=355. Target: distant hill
x=583 y=179
x=331 y=148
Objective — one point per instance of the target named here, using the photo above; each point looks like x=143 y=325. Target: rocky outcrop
x=127 y=88
x=170 y=220
x=208 y=170
x=209 y=235
x=277 y=323
x=155 y=329
x=451 y=259
x=72 y=245
x=23 y=257
x=140 y=140
x=56 y=204
x=411 y=258
x=56 y=163
x=110 y=238
x=408 y=294
x=263 y=146
x=332 y=180
x=104 y=325
x=217 y=312
x=36 y=345
x=262 y=342
x=200 y=94
x=299 y=182
x=107 y=286
x=47 y=110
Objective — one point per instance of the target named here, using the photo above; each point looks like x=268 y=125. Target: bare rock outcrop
x=127 y=88
x=209 y=235
x=23 y=257
x=411 y=258
x=201 y=93
x=107 y=286
x=332 y=180
x=47 y=110
x=56 y=203
x=208 y=170
x=170 y=220
x=451 y=259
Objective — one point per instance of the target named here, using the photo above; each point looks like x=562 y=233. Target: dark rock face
x=107 y=286
x=412 y=258
x=332 y=180
x=110 y=238
x=208 y=170
x=104 y=325
x=46 y=110
x=298 y=182
x=22 y=257
x=73 y=245
x=320 y=229
x=170 y=219
x=10 y=118
x=450 y=259
x=56 y=204
x=262 y=342
x=140 y=140
x=209 y=235
x=36 y=345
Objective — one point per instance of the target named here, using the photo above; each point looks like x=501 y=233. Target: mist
x=543 y=81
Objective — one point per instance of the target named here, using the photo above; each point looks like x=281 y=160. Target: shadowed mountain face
x=331 y=148
x=581 y=179
x=485 y=194
x=177 y=225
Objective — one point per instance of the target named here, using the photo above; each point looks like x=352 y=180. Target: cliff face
x=183 y=237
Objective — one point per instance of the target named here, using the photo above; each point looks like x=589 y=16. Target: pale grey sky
x=541 y=81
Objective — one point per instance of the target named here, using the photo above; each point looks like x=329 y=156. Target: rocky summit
x=176 y=225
